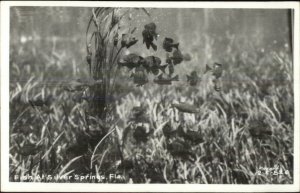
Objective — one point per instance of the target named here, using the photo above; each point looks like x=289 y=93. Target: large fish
x=130 y=61
x=193 y=78
x=186 y=108
x=165 y=80
x=169 y=44
x=149 y=34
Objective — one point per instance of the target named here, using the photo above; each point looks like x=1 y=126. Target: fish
x=259 y=129
x=177 y=57
x=217 y=70
x=169 y=44
x=29 y=149
x=152 y=64
x=194 y=137
x=217 y=85
x=186 y=108
x=39 y=102
x=130 y=61
x=165 y=80
x=141 y=134
x=80 y=85
x=207 y=69
x=180 y=148
x=169 y=131
x=116 y=39
x=124 y=40
x=139 y=77
x=149 y=34
x=131 y=42
x=193 y=78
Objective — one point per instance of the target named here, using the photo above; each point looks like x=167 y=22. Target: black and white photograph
x=110 y=93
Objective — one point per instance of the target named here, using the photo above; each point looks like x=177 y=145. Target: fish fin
x=208 y=68
x=175 y=78
x=176 y=46
x=153 y=46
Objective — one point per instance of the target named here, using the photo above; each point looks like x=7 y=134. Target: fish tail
x=175 y=78
x=153 y=46
x=208 y=68
x=176 y=46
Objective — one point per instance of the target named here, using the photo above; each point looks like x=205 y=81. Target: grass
x=52 y=139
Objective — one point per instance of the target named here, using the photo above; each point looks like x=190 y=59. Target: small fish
x=75 y=85
x=194 y=137
x=29 y=149
x=149 y=33
x=193 y=78
x=168 y=130
x=130 y=61
x=259 y=129
x=39 y=102
x=186 y=108
x=177 y=57
x=116 y=39
x=141 y=134
x=207 y=68
x=139 y=77
x=124 y=40
x=217 y=70
x=165 y=80
x=131 y=42
x=181 y=149
x=169 y=44
x=89 y=59
x=152 y=64
x=217 y=85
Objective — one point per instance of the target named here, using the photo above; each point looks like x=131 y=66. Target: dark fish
x=194 y=137
x=207 y=68
x=80 y=85
x=89 y=59
x=169 y=44
x=217 y=85
x=130 y=61
x=139 y=76
x=170 y=64
x=141 y=134
x=165 y=80
x=131 y=42
x=177 y=57
x=152 y=64
x=149 y=33
x=193 y=78
x=39 y=102
x=217 y=70
x=124 y=40
x=29 y=149
x=116 y=39
x=181 y=149
x=169 y=131
x=186 y=108
x=259 y=129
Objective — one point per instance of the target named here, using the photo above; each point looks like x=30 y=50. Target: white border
x=37 y=187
